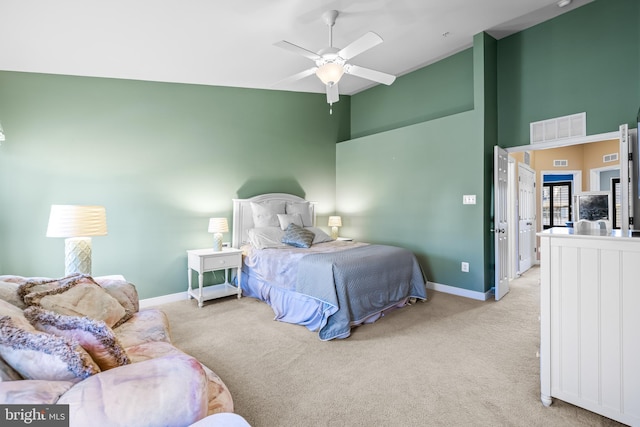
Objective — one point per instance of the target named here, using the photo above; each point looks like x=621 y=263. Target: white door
x=500 y=226
x=526 y=217
x=625 y=183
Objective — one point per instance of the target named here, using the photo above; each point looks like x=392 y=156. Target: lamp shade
x=77 y=221
x=330 y=73
x=335 y=221
x=218 y=225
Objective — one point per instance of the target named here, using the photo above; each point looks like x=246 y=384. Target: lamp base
x=334 y=233
x=217 y=242
x=77 y=255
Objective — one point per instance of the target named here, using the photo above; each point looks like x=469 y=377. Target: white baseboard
x=481 y=296
x=164 y=299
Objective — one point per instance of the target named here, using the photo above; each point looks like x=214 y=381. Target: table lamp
x=77 y=223
x=217 y=226
x=334 y=223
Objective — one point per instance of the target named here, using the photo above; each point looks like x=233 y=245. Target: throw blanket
x=359 y=282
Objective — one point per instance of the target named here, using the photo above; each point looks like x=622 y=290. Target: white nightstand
x=203 y=260
x=345 y=239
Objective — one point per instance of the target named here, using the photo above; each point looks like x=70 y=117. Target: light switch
x=469 y=199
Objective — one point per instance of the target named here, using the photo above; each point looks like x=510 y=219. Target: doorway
x=581 y=168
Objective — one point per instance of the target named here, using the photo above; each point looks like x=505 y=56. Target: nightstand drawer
x=218 y=262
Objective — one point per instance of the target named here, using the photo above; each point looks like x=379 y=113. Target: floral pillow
x=75 y=296
x=41 y=356
x=93 y=335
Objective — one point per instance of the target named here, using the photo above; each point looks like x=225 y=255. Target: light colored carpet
x=450 y=361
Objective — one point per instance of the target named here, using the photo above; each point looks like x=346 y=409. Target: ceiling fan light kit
x=330 y=73
x=331 y=63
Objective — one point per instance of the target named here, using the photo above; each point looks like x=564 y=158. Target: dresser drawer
x=221 y=261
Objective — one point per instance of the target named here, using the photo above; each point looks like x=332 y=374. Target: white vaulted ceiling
x=231 y=43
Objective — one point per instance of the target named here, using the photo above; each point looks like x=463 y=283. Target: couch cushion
x=41 y=356
x=75 y=296
x=220 y=399
x=93 y=335
x=167 y=391
x=36 y=392
x=144 y=326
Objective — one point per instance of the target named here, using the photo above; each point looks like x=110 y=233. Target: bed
x=327 y=285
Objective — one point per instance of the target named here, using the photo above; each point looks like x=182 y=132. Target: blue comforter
x=359 y=282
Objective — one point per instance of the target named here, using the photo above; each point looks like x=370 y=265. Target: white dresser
x=590 y=322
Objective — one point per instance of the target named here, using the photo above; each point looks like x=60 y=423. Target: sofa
x=84 y=342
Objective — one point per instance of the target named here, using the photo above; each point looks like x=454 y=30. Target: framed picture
x=593 y=205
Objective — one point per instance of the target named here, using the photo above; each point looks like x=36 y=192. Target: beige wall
x=582 y=157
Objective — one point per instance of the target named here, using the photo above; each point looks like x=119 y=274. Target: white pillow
x=286 y=219
x=302 y=208
x=265 y=214
x=266 y=237
x=320 y=236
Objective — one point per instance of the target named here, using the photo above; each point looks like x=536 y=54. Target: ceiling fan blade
x=297 y=49
x=366 y=73
x=297 y=76
x=360 y=45
x=332 y=93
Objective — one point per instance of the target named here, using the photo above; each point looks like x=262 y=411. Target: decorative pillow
x=93 y=335
x=40 y=356
x=286 y=219
x=9 y=293
x=266 y=237
x=7 y=373
x=302 y=208
x=35 y=285
x=265 y=214
x=79 y=296
x=320 y=236
x=17 y=315
x=125 y=292
x=297 y=236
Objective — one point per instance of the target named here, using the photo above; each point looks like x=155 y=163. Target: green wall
x=404 y=186
x=585 y=60
x=162 y=158
x=439 y=90
x=486 y=109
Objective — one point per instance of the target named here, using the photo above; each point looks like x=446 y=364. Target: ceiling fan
x=331 y=62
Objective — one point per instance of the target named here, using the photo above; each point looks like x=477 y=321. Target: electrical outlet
x=465 y=267
x=469 y=199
